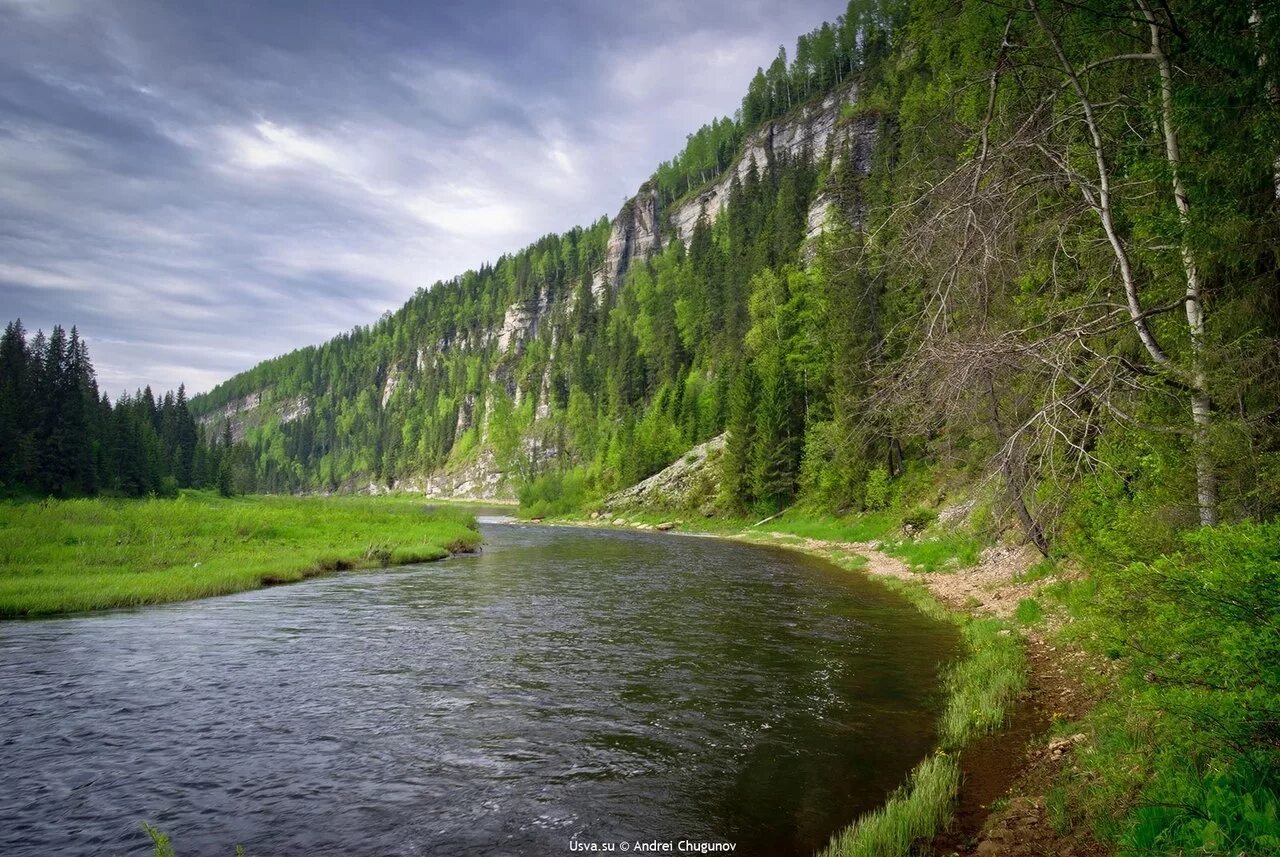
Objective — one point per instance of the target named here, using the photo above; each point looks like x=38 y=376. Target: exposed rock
x=520 y=324
x=254 y=409
x=666 y=526
x=389 y=386
x=791 y=136
x=819 y=213
x=634 y=236
x=687 y=483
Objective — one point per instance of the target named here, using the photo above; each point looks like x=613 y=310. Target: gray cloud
x=200 y=186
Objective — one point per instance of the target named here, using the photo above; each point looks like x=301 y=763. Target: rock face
x=691 y=482
x=520 y=324
x=253 y=409
x=634 y=235
x=816 y=127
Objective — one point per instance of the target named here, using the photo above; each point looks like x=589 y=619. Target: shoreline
x=993 y=808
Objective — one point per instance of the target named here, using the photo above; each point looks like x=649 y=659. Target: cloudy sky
x=201 y=185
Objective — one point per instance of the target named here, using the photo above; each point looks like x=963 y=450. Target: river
x=564 y=684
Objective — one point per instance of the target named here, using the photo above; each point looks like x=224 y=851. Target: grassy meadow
x=65 y=556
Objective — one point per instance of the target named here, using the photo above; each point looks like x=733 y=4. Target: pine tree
x=736 y=463
x=15 y=377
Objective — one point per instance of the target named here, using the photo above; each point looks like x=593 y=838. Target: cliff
x=471 y=361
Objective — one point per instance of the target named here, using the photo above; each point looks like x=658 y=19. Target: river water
x=563 y=685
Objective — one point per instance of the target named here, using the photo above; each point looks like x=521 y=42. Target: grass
x=64 y=556
x=946 y=552
x=1028 y=612
x=912 y=813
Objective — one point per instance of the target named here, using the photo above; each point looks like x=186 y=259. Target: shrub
x=554 y=493
x=919 y=517
x=1192 y=739
x=876 y=491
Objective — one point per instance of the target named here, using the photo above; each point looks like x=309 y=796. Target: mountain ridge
x=812 y=130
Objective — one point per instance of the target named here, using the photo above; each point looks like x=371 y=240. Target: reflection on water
x=563 y=683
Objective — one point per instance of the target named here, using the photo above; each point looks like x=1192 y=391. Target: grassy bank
x=75 y=555
x=1182 y=754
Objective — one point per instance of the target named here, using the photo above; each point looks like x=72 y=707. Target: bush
x=555 y=493
x=876 y=492
x=919 y=517
x=1192 y=738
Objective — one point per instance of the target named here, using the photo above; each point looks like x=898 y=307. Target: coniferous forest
x=1053 y=256
x=60 y=437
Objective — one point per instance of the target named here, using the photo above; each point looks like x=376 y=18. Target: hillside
x=919 y=243
x=479 y=382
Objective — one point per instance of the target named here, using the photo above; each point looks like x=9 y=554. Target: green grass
x=63 y=556
x=943 y=553
x=1181 y=755
x=1028 y=612
x=912 y=813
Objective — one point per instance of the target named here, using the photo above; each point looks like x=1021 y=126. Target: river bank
x=67 y=556
x=987 y=790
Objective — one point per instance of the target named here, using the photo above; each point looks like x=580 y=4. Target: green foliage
x=920 y=518
x=60 y=438
x=876 y=490
x=1189 y=739
x=160 y=841
x=553 y=493
x=1029 y=612
x=61 y=556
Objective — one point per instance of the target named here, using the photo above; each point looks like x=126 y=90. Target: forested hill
x=1035 y=241
x=611 y=345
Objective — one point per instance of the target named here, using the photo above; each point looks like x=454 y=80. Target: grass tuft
x=910 y=814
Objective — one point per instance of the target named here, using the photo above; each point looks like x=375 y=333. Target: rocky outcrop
x=389 y=385
x=634 y=235
x=254 y=409
x=520 y=324
x=692 y=482
x=811 y=130
x=479 y=479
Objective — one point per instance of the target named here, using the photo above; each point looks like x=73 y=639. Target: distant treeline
x=60 y=437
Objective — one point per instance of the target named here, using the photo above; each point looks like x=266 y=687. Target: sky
x=199 y=186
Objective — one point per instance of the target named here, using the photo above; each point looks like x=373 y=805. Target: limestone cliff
x=642 y=228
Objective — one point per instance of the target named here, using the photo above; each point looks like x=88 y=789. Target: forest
x=59 y=437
